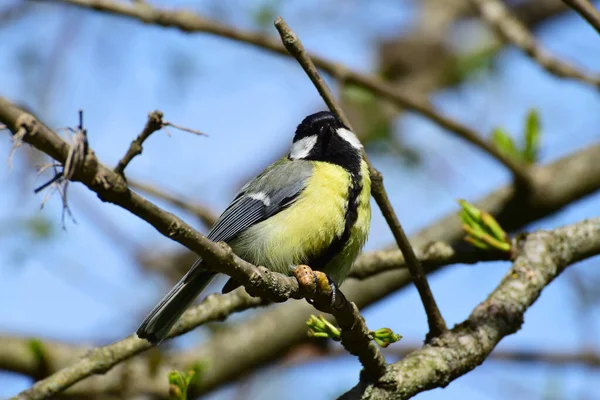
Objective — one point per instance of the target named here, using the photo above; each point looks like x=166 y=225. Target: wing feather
x=279 y=186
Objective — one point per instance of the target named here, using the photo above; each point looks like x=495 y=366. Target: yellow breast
x=302 y=230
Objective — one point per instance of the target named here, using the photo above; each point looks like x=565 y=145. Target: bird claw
x=319 y=286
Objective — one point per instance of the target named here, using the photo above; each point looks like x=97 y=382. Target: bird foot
x=317 y=285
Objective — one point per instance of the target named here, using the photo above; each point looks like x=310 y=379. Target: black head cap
x=320 y=123
x=324 y=137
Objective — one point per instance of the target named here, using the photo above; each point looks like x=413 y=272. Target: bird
x=311 y=207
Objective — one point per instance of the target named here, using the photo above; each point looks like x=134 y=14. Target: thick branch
x=188 y=21
x=437 y=325
x=512 y=30
x=542 y=256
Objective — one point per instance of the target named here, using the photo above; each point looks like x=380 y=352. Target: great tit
x=311 y=207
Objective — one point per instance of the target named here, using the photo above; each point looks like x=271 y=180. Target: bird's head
x=324 y=137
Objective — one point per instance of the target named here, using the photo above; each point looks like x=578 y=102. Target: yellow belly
x=307 y=228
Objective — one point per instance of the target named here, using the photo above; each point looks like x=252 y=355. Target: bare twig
x=189 y=21
x=586 y=9
x=183 y=128
x=512 y=30
x=202 y=212
x=57 y=177
x=154 y=123
x=437 y=324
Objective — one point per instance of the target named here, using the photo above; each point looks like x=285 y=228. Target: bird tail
x=161 y=319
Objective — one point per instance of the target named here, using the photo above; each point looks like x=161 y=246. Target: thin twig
x=437 y=325
x=586 y=9
x=58 y=176
x=183 y=128
x=206 y=216
x=499 y=17
x=154 y=123
x=188 y=21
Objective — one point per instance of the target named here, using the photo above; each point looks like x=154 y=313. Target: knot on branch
x=174 y=229
x=26 y=125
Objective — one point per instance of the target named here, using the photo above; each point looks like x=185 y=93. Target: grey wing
x=269 y=193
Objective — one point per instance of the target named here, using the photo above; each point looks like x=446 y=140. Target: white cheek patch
x=261 y=196
x=349 y=137
x=303 y=147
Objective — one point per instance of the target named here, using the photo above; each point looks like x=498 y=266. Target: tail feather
x=161 y=319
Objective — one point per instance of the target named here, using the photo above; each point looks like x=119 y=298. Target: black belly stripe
x=321 y=260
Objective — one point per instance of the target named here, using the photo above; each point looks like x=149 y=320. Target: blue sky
x=80 y=286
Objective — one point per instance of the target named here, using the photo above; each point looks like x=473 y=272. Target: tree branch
x=437 y=325
x=497 y=15
x=587 y=10
x=188 y=21
x=542 y=256
x=154 y=123
x=17 y=355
